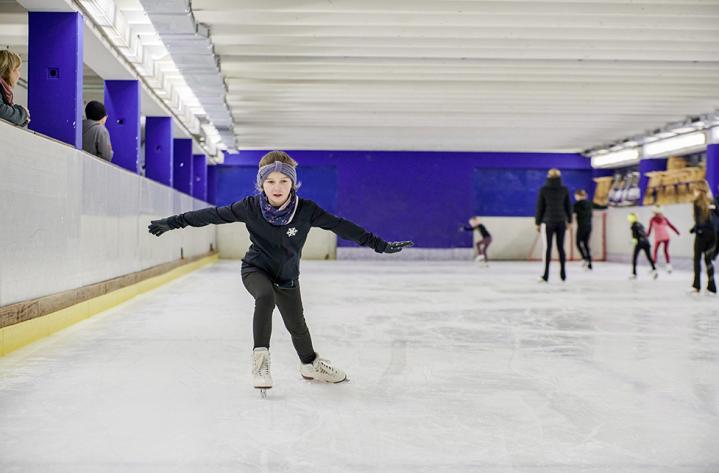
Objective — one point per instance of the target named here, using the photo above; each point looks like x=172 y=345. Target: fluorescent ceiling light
x=675 y=144
x=619 y=158
x=715 y=134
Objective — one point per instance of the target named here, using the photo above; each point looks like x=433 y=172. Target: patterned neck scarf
x=6 y=91
x=279 y=216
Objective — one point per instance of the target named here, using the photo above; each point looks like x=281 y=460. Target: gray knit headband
x=286 y=169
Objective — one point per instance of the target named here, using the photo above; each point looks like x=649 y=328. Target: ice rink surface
x=453 y=367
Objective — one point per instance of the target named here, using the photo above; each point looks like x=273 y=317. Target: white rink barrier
x=69 y=219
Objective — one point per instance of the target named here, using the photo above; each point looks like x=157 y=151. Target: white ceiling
x=461 y=75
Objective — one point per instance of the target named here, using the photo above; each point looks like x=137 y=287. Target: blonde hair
x=704 y=199
x=581 y=193
x=9 y=61
x=274 y=156
x=554 y=172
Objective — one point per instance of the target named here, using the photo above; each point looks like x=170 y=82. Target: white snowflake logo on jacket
x=292 y=232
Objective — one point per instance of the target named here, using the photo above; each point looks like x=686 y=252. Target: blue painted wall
x=423 y=196
x=55 y=71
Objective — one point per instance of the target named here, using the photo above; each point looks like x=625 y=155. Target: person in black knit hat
x=95 y=136
x=279 y=221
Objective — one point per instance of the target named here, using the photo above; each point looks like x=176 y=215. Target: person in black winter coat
x=279 y=221
x=554 y=210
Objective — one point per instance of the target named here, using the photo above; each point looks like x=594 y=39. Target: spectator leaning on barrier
x=10 y=64
x=95 y=137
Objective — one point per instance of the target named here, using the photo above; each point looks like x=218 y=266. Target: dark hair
x=94 y=110
x=274 y=156
x=580 y=192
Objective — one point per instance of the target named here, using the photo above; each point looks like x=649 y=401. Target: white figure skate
x=669 y=268
x=261 y=370
x=323 y=370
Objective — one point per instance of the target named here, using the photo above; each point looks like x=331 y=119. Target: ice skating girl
x=661 y=225
x=483 y=244
x=278 y=221
x=583 y=210
x=705 y=236
x=641 y=243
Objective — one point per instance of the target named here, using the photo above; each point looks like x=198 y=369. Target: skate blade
x=263 y=391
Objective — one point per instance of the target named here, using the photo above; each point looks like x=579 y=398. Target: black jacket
x=702 y=224
x=481 y=228
x=639 y=234
x=583 y=209
x=276 y=250
x=553 y=204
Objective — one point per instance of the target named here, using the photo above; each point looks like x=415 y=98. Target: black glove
x=158 y=227
x=396 y=246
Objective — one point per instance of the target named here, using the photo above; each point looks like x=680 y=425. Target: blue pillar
x=122 y=103
x=182 y=165
x=199 y=185
x=55 y=75
x=158 y=149
x=212 y=184
x=713 y=168
x=645 y=166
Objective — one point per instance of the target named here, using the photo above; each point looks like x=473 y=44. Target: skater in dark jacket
x=279 y=221
x=583 y=209
x=483 y=244
x=554 y=210
x=704 y=237
x=641 y=243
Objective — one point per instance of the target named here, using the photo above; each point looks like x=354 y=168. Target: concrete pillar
x=158 y=149
x=122 y=103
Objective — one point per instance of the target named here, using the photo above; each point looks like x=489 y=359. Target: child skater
x=705 y=237
x=583 y=209
x=278 y=221
x=483 y=244
x=661 y=225
x=641 y=243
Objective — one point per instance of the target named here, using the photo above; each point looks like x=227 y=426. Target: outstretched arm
x=651 y=225
x=670 y=226
x=350 y=231
x=236 y=212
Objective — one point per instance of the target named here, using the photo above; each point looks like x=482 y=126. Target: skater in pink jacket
x=661 y=225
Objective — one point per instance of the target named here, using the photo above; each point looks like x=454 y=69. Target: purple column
x=158 y=149
x=55 y=75
x=199 y=185
x=713 y=168
x=122 y=103
x=212 y=184
x=182 y=165
x=645 y=166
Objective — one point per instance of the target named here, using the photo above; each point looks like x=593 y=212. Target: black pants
x=289 y=301
x=642 y=246
x=704 y=244
x=583 y=236
x=552 y=230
